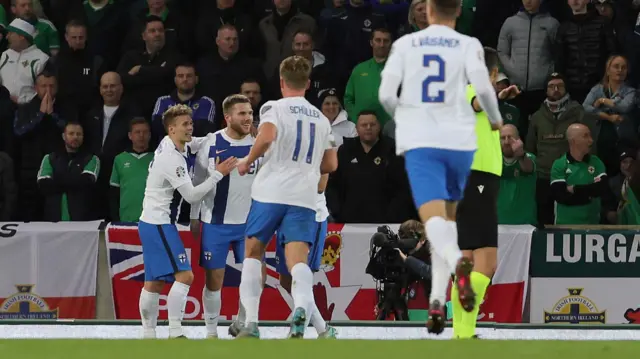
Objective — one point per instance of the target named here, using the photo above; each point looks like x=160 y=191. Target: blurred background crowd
x=85 y=83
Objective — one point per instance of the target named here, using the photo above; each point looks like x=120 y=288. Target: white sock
x=149 y=305
x=302 y=288
x=212 y=302
x=251 y=288
x=242 y=315
x=176 y=301
x=444 y=241
x=317 y=320
x=440 y=275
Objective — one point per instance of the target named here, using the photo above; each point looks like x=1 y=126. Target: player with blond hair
x=296 y=141
x=164 y=255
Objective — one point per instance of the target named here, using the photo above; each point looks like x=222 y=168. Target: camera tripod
x=392 y=301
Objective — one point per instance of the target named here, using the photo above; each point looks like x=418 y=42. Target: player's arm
x=175 y=171
x=267 y=132
x=391 y=78
x=330 y=158
x=478 y=76
x=322 y=185
x=199 y=176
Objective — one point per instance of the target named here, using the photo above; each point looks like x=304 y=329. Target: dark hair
x=149 y=19
x=72 y=123
x=138 y=121
x=445 y=8
x=46 y=73
x=186 y=64
x=383 y=30
x=367 y=113
x=250 y=80
x=304 y=32
x=491 y=59
x=75 y=23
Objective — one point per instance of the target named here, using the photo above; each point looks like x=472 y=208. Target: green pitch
x=312 y=349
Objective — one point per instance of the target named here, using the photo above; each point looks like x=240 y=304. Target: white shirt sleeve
x=174 y=169
x=269 y=113
x=391 y=78
x=201 y=170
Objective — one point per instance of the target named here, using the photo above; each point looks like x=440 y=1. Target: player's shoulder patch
x=268 y=106
x=180 y=171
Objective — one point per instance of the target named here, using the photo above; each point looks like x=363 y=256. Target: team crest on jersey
x=591 y=169
x=180 y=172
x=265 y=109
x=195 y=106
x=377 y=160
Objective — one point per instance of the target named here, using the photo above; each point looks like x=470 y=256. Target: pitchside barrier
x=94 y=270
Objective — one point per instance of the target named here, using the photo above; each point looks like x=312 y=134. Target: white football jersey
x=291 y=169
x=169 y=170
x=230 y=199
x=433 y=110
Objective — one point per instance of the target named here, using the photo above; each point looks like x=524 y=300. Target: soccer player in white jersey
x=295 y=139
x=224 y=210
x=165 y=259
x=435 y=130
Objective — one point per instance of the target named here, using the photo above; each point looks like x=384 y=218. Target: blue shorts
x=297 y=224
x=437 y=174
x=216 y=239
x=163 y=252
x=315 y=252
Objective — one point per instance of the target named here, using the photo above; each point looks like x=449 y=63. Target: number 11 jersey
x=433 y=110
x=291 y=168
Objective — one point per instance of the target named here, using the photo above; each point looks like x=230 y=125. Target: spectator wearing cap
x=322 y=75
x=22 y=62
x=525 y=48
x=148 y=73
x=510 y=113
x=583 y=43
x=613 y=102
x=546 y=138
x=618 y=184
x=332 y=108
x=46 y=37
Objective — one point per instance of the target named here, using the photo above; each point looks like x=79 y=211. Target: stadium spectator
x=489 y=17
x=578 y=180
x=77 y=69
x=517 y=196
x=214 y=15
x=106 y=127
x=614 y=103
x=8 y=188
x=464 y=23
x=332 y=108
x=46 y=37
x=360 y=190
x=129 y=174
x=546 y=138
x=251 y=89
x=333 y=9
x=222 y=73
x=22 y=62
x=38 y=128
x=278 y=30
x=510 y=113
x=583 y=43
x=148 y=73
x=525 y=48
x=203 y=108
x=362 y=89
x=417 y=19
x=67 y=178
x=322 y=76
x=619 y=182
x=617 y=17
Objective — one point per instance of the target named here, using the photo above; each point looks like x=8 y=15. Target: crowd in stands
x=85 y=83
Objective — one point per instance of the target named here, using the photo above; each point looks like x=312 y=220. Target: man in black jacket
x=584 y=42
x=148 y=74
x=8 y=189
x=67 y=179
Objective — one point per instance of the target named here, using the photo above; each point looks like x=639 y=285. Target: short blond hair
x=233 y=100
x=173 y=112
x=295 y=71
x=412 y=17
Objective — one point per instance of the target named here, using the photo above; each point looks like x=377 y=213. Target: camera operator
x=418 y=258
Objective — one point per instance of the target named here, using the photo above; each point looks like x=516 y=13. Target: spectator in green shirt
x=47 y=38
x=510 y=113
x=129 y=175
x=362 y=89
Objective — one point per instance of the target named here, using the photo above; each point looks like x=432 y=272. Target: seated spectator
x=46 y=37
x=67 y=179
x=278 y=30
x=8 y=188
x=546 y=138
x=517 y=196
x=578 y=180
x=583 y=43
x=362 y=88
x=148 y=73
x=22 y=62
x=613 y=102
x=251 y=89
x=417 y=18
x=129 y=174
x=204 y=110
x=332 y=108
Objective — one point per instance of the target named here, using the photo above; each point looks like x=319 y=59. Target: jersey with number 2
x=433 y=110
x=291 y=169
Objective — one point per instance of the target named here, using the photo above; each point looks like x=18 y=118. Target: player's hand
x=226 y=166
x=518 y=148
x=496 y=126
x=195 y=229
x=134 y=70
x=509 y=93
x=243 y=166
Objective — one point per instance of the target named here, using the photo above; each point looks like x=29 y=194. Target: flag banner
x=48 y=270
x=342 y=289
x=585 y=277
